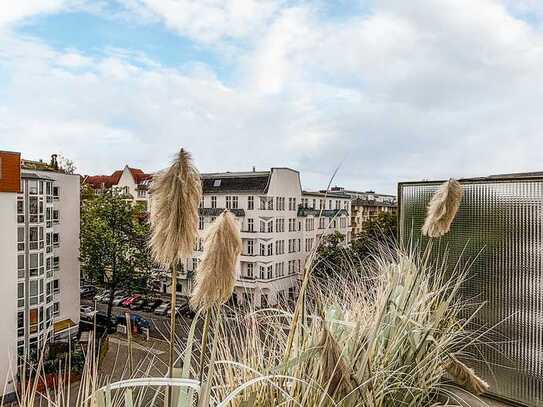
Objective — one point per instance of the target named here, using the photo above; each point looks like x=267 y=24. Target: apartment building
x=365 y=205
x=132 y=183
x=280 y=224
x=39 y=247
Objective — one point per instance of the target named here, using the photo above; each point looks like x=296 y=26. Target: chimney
x=54 y=162
x=254 y=169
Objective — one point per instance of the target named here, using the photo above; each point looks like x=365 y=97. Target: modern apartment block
x=39 y=247
x=280 y=224
x=365 y=205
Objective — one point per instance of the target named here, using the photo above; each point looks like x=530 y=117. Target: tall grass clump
x=387 y=331
x=383 y=334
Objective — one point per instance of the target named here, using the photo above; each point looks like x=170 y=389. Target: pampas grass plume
x=176 y=194
x=215 y=276
x=466 y=377
x=443 y=208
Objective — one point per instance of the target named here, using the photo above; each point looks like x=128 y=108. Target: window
x=270 y=204
x=33 y=187
x=270 y=249
x=250 y=225
x=201 y=223
x=56 y=309
x=33 y=320
x=213 y=201
x=262 y=203
x=56 y=239
x=330 y=204
x=56 y=192
x=250 y=247
x=262 y=249
x=262 y=226
x=314 y=205
x=250 y=267
x=33 y=284
x=270 y=226
x=262 y=272
x=292 y=204
x=217 y=183
x=56 y=216
x=33 y=264
x=250 y=202
x=270 y=272
x=20 y=294
x=20 y=211
x=228 y=202
x=20 y=323
x=194 y=264
x=20 y=238
x=20 y=266
x=33 y=209
x=234 y=202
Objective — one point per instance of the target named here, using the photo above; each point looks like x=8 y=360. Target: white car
x=87 y=312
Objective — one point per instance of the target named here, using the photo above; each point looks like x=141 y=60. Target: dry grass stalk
x=466 y=377
x=443 y=208
x=215 y=276
x=174 y=211
x=334 y=369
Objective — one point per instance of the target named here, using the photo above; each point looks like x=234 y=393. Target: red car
x=130 y=300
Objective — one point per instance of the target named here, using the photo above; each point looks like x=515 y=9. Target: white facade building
x=279 y=227
x=132 y=183
x=39 y=247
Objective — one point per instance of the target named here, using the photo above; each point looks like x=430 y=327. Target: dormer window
x=217 y=183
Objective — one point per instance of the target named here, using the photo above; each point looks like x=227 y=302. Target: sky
x=386 y=90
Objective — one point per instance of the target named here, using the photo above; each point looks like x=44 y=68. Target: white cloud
x=411 y=90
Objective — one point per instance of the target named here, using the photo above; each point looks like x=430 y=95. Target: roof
x=327 y=213
x=372 y=202
x=63 y=325
x=107 y=181
x=518 y=174
x=324 y=194
x=217 y=211
x=33 y=175
x=236 y=182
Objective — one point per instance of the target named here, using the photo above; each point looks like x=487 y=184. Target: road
x=160 y=325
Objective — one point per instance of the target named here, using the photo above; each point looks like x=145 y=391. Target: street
x=159 y=325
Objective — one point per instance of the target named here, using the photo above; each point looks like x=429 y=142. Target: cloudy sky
x=390 y=89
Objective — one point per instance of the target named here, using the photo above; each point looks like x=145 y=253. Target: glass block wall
x=499 y=227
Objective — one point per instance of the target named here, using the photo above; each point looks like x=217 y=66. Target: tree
x=334 y=256
x=379 y=229
x=114 y=249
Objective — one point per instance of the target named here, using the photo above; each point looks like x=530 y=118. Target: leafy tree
x=114 y=250
x=379 y=229
x=333 y=255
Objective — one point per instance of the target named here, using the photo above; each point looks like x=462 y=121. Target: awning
x=63 y=325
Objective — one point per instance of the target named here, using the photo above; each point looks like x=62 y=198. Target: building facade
x=366 y=205
x=39 y=245
x=132 y=183
x=279 y=226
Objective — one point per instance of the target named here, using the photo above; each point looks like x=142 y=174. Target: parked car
x=102 y=323
x=139 y=303
x=119 y=298
x=135 y=320
x=152 y=304
x=87 y=312
x=130 y=300
x=100 y=294
x=87 y=291
x=184 y=310
x=162 y=309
